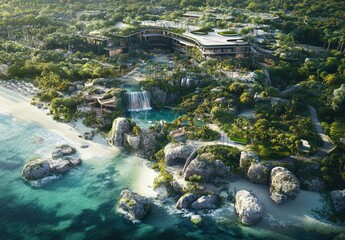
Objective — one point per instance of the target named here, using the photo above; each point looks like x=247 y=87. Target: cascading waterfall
x=138 y=101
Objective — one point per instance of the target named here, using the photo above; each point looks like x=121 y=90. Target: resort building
x=209 y=45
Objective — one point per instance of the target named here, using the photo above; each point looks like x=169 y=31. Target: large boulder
x=39 y=168
x=62 y=151
x=186 y=200
x=133 y=141
x=283 y=185
x=134 y=205
x=258 y=173
x=248 y=208
x=176 y=154
x=121 y=126
x=148 y=142
x=338 y=199
x=209 y=171
x=206 y=202
x=247 y=158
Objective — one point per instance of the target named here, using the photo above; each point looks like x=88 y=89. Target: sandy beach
x=19 y=106
x=296 y=212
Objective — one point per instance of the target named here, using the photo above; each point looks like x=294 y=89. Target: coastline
x=18 y=106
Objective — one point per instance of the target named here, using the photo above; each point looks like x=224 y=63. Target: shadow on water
x=19 y=218
x=10 y=166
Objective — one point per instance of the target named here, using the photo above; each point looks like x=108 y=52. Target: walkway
x=327 y=144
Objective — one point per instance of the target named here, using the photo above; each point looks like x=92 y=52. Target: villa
x=210 y=44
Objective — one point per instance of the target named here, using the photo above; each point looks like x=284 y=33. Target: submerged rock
x=121 y=126
x=196 y=219
x=206 y=202
x=175 y=154
x=136 y=206
x=39 y=168
x=186 y=200
x=62 y=151
x=248 y=208
x=338 y=199
x=89 y=135
x=283 y=185
x=258 y=173
x=247 y=158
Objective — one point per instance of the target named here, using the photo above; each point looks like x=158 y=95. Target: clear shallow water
x=80 y=205
x=145 y=119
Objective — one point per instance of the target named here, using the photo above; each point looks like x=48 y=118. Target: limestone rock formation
x=258 y=173
x=209 y=171
x=175 y=153
x=206 y=202
x=120 y=127
x=39 y=168
x=133 y=141
x=338 y=199
x=248 y=208
x=134 y=205
x=247 y=158
x=62 y=151
x=283 y=185
x=186 y=200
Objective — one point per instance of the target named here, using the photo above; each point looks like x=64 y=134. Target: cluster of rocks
x=209 y=171
x=197 y=201
x=134 y=206
x=144 y=144
x=60 y=163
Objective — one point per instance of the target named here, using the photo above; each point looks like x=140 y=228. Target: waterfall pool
x=145 y=119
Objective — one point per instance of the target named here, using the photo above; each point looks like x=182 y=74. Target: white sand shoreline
x=297 y=212
x=18 y=106
x=14 y=104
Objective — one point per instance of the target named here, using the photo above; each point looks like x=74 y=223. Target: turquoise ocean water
x=80 y=205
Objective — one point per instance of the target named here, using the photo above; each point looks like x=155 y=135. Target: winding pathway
x=327 y=144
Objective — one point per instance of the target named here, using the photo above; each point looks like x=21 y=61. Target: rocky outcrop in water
x=283 y=185
x=338 y=199
x=134 y=205
x=39 y=168
x=248 y=208
x=186 y=200
x=206 y=202
x=62 y=151
x=258 y=173
x=209 y=171
x=120 y=128
x=176 y=154
x=247 y=158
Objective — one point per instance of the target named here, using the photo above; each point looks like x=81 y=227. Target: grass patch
x=202 y=31
x=239 y=140
x=229 y=33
